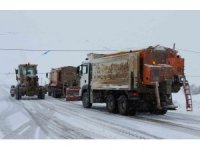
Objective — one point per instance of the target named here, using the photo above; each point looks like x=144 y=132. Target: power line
x=75 y=50
x=191 y=76
x=55 y=50
x=188 y=51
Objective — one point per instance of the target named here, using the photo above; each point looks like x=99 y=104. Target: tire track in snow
x=16 y=107
x=169 y=124
x=113 y=126
x=50 y=125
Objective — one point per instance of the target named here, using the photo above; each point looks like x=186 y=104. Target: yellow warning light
x=154 y=62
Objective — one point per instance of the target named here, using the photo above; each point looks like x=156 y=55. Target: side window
x=84 y=69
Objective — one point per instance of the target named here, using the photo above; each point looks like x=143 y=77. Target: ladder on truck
x=187 y=93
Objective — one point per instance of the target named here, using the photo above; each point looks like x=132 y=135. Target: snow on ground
x=56 y=118
x=179 y=100
x=14 y=119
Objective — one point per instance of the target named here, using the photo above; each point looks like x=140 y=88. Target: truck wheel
x=39 y=96
x=43 y=96
x=123 y=105
x=12 y=95
x=85 y=100
x=111 y=104
x=18 y=94
x=54 y=94
x=132 y=108
x=58 y=96
x=49 y=93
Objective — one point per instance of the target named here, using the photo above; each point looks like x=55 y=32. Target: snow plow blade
x=72 y=94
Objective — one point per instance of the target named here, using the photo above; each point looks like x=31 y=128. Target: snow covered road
x=53 y=118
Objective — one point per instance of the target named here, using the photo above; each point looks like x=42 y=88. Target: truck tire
x=111 y=103
x=41 y=95
x=18 y=94
x=85 y=100
x=49 y=93
x=54 y=94
x=12 y=95
x=123 y=106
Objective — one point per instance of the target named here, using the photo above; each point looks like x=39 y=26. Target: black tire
x=54 y=94
x=123 y=105
x=132 y=109
x=41 y=95
x=111 y=103
x=49 y=93
x=12 y=95
x=59 y=95
x=18 y=94
x=85 y=100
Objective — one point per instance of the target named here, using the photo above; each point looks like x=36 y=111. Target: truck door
x=84 y=76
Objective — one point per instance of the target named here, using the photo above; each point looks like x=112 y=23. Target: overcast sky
x=80 y=30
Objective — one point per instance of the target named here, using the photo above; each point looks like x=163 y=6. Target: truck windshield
x=28 y=71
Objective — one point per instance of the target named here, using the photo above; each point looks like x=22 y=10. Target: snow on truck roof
x=122 y=52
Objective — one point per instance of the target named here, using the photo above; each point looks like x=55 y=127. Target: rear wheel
x=85 y=100
x=123 y=105
x=111 y=103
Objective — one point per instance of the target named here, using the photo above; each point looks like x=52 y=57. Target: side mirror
x=78 y=70
x=16 y=71
x=47 y=75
